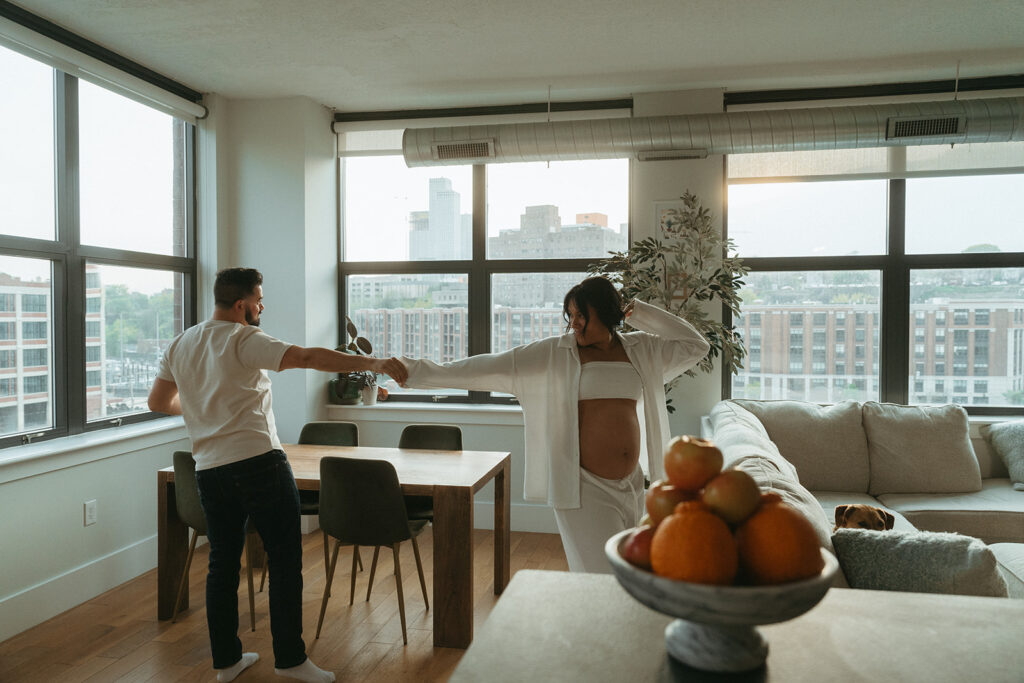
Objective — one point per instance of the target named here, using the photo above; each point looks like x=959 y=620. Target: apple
x=691 y=462
x=662 y=499
x=733 y=495
x=637 y=548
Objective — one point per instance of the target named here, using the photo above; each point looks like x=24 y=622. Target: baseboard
x=34 y=605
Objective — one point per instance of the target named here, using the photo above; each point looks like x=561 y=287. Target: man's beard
x=252 y=320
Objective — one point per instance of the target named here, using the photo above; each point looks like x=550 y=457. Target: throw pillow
x=919 y=562
x=1007 y=440
x=826 y=443
x=920 y=449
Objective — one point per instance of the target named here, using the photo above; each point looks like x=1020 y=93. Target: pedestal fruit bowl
x=715 y=626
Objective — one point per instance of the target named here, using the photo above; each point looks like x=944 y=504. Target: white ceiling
x=394 y=54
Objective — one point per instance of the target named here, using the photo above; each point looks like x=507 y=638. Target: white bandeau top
x=610 y=379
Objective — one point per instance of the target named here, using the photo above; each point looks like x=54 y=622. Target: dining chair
x=322 y=434
x=432 y=437
x=326 y=434
x=361 y=504
x=190 y=511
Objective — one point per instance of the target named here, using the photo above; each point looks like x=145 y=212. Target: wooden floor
x=117 y=637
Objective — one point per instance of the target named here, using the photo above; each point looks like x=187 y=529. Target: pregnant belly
x=609 y=437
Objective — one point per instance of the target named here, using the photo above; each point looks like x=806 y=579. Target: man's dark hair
x=600 y=293
x=233 y=284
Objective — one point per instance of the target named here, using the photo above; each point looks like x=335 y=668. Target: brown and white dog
x=863 y=517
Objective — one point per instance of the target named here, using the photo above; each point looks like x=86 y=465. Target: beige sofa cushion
x=746 y=446
x=1011 y=565
x=995 y=514
x=919 y=449
x=826 y=444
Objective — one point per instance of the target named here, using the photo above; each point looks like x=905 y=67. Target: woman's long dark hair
x=600 y=293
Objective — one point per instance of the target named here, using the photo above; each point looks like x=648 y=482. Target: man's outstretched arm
x=163 y=397
x=316 y=358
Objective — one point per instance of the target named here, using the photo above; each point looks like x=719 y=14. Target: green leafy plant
x=360 y=346
x=682 y=270
x=345 y=388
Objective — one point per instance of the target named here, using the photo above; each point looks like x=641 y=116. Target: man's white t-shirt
x=220 y=368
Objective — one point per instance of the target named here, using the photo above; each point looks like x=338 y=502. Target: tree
x=684 y=270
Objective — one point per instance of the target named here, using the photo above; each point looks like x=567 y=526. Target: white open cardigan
x=545 y=377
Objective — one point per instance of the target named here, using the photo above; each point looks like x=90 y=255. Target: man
x=215 y=374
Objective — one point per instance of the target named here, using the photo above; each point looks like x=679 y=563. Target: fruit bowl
x=714 y=628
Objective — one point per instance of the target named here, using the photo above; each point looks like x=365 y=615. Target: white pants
x=607 y=506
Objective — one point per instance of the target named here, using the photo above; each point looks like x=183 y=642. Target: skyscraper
x=445 y=232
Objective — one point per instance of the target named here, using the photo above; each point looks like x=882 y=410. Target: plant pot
x=342 y=391
x=369 y=395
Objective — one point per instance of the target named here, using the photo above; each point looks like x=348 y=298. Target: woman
x=581 y=394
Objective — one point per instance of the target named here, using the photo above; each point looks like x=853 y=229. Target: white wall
x=51 y=561
x=277 y=197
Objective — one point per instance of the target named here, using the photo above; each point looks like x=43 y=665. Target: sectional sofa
x=928 y=466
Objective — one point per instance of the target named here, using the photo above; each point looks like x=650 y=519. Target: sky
x=382 y=192
x=944 y=215
x=126 y=168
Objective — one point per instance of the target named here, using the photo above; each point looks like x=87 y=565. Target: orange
x=777 y=544
x=693 y=544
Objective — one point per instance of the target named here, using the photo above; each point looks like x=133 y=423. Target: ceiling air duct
x=697 y=135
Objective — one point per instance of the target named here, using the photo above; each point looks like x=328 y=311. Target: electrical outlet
x=90 y=512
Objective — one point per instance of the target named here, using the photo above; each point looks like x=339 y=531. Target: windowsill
x=18 y=462
x=460 y=413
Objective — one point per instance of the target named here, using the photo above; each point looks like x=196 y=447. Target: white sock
x=231 y=673
x=307 y=672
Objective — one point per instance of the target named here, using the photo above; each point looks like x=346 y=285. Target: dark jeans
x=261 y=489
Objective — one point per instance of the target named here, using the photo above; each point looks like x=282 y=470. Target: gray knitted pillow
x=919 y=562
x=1007 y=440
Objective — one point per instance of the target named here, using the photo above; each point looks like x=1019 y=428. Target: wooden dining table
x=451 y=478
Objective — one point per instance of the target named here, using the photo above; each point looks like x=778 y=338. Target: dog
x=863 y=517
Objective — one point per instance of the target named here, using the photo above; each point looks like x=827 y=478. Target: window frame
x=894 y=269
x=478 y=271
x=68 y=258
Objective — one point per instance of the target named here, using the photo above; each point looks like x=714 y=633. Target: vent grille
x=672 y=154
x=924 y=127
x=463 y=149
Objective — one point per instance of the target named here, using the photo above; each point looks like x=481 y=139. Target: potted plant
x=682 y=270
x=351 y=387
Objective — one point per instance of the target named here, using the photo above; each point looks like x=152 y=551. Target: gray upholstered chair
x=361 y=503
x=325 y=434
x=432 y=437
x=190 y=511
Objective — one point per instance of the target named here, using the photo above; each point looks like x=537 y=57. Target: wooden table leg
x=172 y=549
x=453 y=567
x=502 y=527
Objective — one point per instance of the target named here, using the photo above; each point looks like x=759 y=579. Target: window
x=140 y=320
x=31 y=358
x=836 y=290
x=33 y=330
x=36 y=384
x=132 y=212
x=412 y=285
x=8 y=386
x=969 y=280
x=33 y=303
